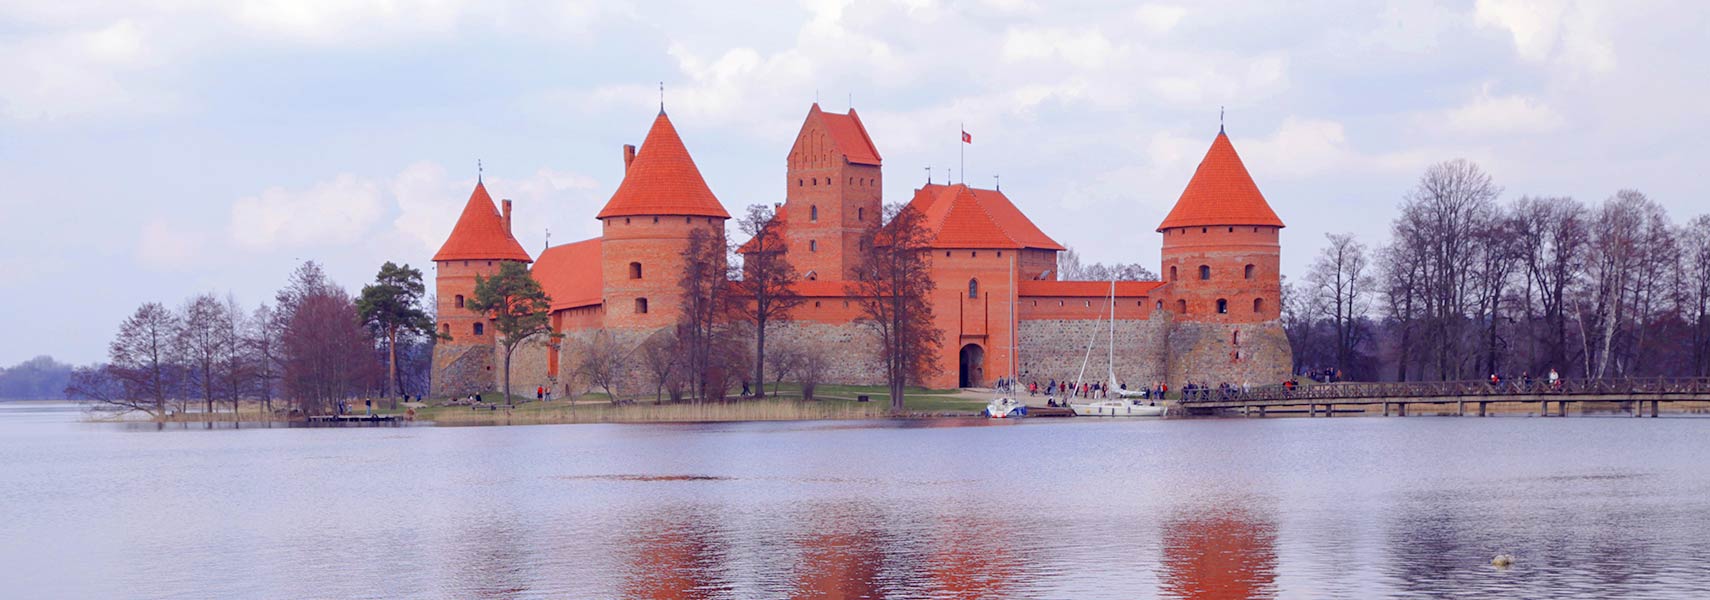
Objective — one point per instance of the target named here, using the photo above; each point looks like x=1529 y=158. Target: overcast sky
x=152 y=149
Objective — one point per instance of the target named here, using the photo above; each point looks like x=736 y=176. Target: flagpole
x=962 y=151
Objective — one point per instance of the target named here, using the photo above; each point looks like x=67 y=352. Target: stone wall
x=1055 y=348
x=853 y=350
x=1210 y=353
x=461 y=369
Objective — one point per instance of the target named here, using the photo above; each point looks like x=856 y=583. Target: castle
x=1214 y=318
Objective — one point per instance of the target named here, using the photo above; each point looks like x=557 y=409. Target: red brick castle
x=1214 y=318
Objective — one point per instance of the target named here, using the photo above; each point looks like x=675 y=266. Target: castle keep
x=1213 y=319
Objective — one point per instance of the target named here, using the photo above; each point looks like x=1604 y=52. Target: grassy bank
x=830 y=402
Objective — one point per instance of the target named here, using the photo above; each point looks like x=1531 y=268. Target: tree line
x=315 y=346
x=1470 y=286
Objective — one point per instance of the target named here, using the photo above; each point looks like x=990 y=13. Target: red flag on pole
x=966 y=138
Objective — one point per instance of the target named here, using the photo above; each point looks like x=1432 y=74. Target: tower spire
x=477 y=171
x=1220 y=119
x=661 y=97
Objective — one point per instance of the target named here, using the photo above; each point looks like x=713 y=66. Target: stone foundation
x=461 y=369
x=1055 y=349
x=1209 y=353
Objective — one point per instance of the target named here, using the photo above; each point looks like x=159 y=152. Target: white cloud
x=99 y=70
x=340 y=211
x=1487 y=114
x=429 y=202
x=1084 y=49
x=1567 y=33
x=1159 y=18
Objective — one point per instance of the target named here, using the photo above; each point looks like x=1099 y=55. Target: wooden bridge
x=1393 y=398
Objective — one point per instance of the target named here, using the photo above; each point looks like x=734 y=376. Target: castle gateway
x=1213 y=319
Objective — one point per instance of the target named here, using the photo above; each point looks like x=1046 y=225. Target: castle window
x=489 y=263
x=691 y=220
x=813 y=213
x=1036 y=303
x=815 y=181
x=1000 y=254
x=641 y=306
x=1160 y=305
x=974 y=254
x=479 y=328
x=1203 y=230
x=1249 y=273
x=1181 y=306
x=973 y=289
x=1255 y=230
x=1204 y=272
x=946 y=254
x=1235 y=338
x=655 y=219
x=445 y=329
x=798 y=183
x=635 y=270
x=816 y=304
x=626 y=220
x=1222 y=306
x=1231 y=230
x=1172 y=273
x=860 y=214
x=813 y=245
x=1258 y=305
x=459 y=300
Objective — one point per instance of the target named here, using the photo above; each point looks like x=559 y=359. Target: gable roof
x=959 y=216
x=1221 y=193
x=570 y=274
x=480 y=233
x=849 y=135
x=663 y=180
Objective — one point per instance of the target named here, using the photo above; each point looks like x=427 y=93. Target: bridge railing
x=1456 y=389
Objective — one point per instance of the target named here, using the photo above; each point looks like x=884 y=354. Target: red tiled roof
x=1221 y=193
x=480 y=233
x=963 y=217
x=1085 y=289
x=778 y=230
x=570 y=274
x=663 y=180
x=850 y=136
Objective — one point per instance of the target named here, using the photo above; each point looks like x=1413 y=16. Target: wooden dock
x=1634 y=396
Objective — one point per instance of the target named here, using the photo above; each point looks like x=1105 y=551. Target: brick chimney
x=628 y=156
x=507 y=214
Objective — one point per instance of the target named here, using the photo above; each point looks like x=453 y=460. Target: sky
x=156 y=149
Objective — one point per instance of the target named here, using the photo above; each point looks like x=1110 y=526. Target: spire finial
x=548 y=244
x=477 y=171
x=997 y=184
x=661 y=97
x=1220 y=119
x=929 y=175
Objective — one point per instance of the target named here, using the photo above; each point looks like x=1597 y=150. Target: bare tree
x=893 y=285
x=603 y=363
x=662 y=355
x=327 y=354
x=1552 y=238
x=232 y=363
x=812 y=366
x=784 y=359
x=766 y=291
x=705 y=285
x=1436 y=233
x=261 y=344
x=198 y=344
x=1695 y=245
x=1340 y=282
x=1070 y=268
x=140 y=358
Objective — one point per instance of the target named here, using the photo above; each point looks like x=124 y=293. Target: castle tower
x=479 y=243
x=832 y=194
x=1221 y=260
x=646 y=228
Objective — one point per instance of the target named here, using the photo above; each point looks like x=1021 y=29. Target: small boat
x=1004 y=408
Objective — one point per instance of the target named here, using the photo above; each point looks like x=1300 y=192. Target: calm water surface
x=1285 y=508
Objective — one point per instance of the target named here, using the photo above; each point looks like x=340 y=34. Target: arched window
x=641 y=306
x=635 y=270
x=798 y=183
x=1160 y=305
x=860 y=214
x=813 y=245
x=656 y=220
x=445 y=329
x=1249 y=273
x=1172 y=273
x=460 y=300
x=1204 y=272
x=1222 y=306
x=813 y=213
x=1181 y=307
x=973 y=289
x=815 y=181
x=479 y=328
x=1258 y=305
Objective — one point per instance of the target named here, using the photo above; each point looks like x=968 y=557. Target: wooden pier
x=1634 y=396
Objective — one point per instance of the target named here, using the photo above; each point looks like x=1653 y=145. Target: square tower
x=832 y=194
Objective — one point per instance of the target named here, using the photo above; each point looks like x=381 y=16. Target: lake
x=946 y=508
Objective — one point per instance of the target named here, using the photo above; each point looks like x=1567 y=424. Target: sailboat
x=1005 y=406
x=1127 y=403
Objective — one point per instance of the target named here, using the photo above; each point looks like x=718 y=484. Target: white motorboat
x=1005 y=408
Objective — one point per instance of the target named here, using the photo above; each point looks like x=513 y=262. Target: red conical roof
x=663 y=180
x=1221 y=193
x=480 y=233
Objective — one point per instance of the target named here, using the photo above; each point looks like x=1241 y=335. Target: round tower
x=646 y=229
x=479 y=243
x=1221 y=266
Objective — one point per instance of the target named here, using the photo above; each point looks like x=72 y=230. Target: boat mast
x=1111 y=360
